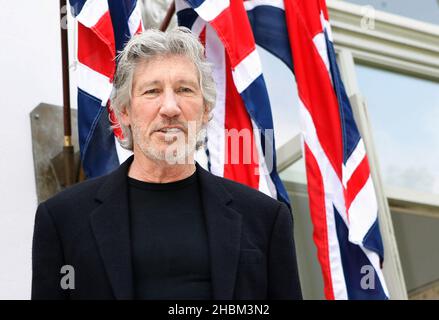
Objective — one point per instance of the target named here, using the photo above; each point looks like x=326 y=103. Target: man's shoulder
x=248 y=197
x=80 y=194
x=259 y=212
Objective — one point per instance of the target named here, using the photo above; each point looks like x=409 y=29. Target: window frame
x=396 y=44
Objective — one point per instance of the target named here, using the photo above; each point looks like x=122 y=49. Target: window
x=404 y=115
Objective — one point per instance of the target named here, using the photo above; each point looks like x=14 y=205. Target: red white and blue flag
x=103 y=28
x=342 y=198
x=242 y=108
x=343 y=204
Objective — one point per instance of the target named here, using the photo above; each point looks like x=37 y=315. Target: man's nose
x=169 y=107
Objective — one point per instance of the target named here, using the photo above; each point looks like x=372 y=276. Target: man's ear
x=206 y=115
x=125 y=117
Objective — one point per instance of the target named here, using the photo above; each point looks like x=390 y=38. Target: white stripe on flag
x=247 y=71
x=362 y=213
x=201 y=158
x=266 y=185
x=320 y=43
x=135 y=19
x=375 y=261
x=333 y=186
x=215 y=54
x=181 y=5
x=333 y=197
x=92 y=12
x=93 y=83
x=210 y=9
x=326 y=26
x=353 y=162
x=251 y=4
x=198 y=26
x=337 y=275
x=122 y=154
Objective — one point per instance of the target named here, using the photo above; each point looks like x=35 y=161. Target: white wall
x=30 y=73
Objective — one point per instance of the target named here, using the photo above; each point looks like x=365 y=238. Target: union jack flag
x=342 y=198
x=103 y=28
x=242 y=106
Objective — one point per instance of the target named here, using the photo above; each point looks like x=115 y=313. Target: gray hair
x=146 y=46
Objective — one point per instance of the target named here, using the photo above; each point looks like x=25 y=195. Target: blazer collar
x=223 y=225
x=110 y=225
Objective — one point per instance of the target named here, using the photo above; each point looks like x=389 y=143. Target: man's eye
x=151 y=91
x=185 y=90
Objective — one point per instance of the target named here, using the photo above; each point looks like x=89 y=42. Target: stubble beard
x=179 y=147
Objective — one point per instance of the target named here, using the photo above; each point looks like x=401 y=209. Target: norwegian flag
x=103 y=28
x=342 y=198
x=242 y=108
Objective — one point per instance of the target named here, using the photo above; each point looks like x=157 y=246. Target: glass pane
x=425 y=10
x=284 y=100
x=295 y=172
x=404 y=115
x=417 y=238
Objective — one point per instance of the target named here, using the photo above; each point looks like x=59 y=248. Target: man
x=160 y=226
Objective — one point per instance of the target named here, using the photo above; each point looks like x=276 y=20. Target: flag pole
x=168 y=17
x=68 y=154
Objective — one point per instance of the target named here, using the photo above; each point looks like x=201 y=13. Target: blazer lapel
x=110 y=224
x=224 y=234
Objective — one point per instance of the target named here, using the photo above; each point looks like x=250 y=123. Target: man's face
x=167 y=109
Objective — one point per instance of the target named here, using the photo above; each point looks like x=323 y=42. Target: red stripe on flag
x=324 y=9
x=309 y=11
x=113 y=121
x=202 y=37
x=234 y=30
x=357 y=181
x=96 y=47
x=241 y=157
x=139 y=29
x=316 y=194
x=313 y=82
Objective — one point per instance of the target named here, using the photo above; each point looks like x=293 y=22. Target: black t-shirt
x=169 y=240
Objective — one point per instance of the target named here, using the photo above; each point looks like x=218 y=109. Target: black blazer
x=252 y=252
